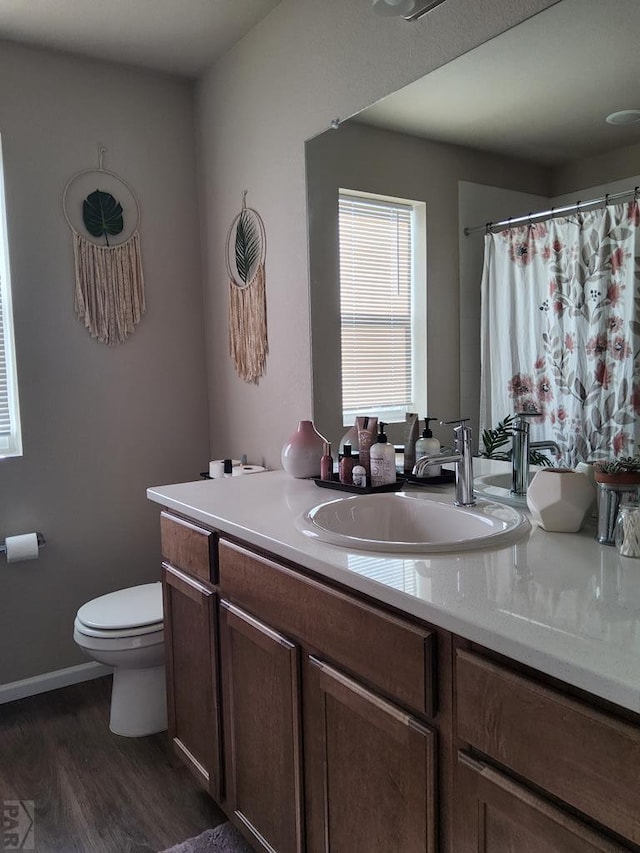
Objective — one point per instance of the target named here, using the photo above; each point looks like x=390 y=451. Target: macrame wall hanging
x=245 y=256
x=109 y=286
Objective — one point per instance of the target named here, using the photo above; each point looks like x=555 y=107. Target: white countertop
x=560 y=603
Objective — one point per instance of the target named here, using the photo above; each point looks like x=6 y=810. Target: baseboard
x=52 y=681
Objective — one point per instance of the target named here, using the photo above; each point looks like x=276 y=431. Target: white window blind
x=10 y=437
x=375 y=304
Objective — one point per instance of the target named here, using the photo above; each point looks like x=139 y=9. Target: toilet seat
x=117 y=641
x=116 y=634
x=127 y=612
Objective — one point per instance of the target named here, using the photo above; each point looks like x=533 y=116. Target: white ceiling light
x=410 y=10
x=624 y=117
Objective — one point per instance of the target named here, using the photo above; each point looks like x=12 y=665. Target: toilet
x=125 y=630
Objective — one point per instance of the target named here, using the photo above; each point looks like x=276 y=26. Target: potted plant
x=619 y=472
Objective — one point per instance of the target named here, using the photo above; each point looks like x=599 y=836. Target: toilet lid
x=126 y=608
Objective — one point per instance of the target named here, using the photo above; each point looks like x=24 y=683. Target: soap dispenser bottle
x=428 y=446
x=382 y=457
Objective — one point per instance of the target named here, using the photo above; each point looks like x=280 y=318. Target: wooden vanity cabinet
x=539 y=770
x=262 y=719
x=495 y=814
x=370 y=770
x=297 y=653
x=190 y=633
x=323 y=723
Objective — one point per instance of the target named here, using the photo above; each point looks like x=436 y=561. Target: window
x=10 y=437
x=382 y=306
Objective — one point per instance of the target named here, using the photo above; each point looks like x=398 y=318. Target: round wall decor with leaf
x=102 y=215
x=104 y=222
x=245 y=258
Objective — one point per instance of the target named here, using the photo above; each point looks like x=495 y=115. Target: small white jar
x=359 y=476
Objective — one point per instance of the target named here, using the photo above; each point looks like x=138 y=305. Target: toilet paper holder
x=41 y=542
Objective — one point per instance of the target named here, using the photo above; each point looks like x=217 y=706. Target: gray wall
x=99 y=424
x=368 y=159
x=303 y=65
x=605 y=168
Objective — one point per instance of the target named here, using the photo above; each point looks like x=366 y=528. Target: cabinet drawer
x=588 y=759
x=188 y=547
x=394 y=656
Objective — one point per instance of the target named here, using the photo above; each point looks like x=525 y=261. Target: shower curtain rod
x=503 y=224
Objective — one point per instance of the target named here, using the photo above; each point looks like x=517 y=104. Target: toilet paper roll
x=23 y=547
x=247 y=469
x=216 y=467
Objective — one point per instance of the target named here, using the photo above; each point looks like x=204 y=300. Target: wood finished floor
x=95 y=792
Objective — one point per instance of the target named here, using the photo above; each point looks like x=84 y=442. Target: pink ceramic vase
x=302 y=453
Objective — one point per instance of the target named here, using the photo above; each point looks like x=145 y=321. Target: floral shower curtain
x=561 y=331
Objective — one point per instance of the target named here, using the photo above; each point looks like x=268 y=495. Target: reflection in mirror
x=517 y=125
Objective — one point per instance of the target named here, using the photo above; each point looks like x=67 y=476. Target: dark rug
x=223 y=839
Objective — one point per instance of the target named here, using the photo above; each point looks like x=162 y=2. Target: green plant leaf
x=494 y=439
x=620 y=466
x=248 y=246
x=102 y=215
x=536 y=457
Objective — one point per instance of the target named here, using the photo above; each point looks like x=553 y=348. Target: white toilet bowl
x=124 y=629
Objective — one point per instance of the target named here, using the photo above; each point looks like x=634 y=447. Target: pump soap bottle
x=428 y=446
x=382 y=456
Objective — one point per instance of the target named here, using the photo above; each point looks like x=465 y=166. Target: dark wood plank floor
x=95 y=792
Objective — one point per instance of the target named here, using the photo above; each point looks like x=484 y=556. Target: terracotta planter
x=624 y=478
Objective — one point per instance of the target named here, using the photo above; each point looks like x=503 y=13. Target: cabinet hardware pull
x=256 y=624
x=470 y=762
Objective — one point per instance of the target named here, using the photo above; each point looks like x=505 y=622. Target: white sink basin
x=497 y=487
x=408 y=522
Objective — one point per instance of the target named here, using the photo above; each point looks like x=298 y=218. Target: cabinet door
x=260 y=672
x=192 y=675
x=496 y=815
x=580 y=755
x=371 y=770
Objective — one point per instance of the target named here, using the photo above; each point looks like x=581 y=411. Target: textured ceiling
x=539 y=91
x=177 y=36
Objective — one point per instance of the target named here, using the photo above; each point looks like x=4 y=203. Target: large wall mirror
x=514 y=126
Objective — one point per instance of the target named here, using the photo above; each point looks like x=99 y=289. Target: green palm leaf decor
x=248 y=246
x=245 y=256
x=495 y=439
x=102 y=215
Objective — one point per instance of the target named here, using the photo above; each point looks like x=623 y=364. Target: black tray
x=356 y=490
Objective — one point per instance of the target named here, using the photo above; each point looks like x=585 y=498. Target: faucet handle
x=462 y=433
x=521 y=424
x=459 y=427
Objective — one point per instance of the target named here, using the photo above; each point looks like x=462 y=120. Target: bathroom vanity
x=336 y=700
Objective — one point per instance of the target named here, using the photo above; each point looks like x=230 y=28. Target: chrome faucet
x=463 y=459
x=520 y=447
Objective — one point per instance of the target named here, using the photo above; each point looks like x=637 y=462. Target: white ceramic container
x=559 y=499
